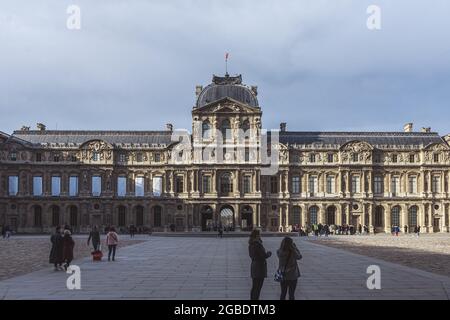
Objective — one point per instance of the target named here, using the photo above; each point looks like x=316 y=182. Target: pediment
x=437 y=147
x=226 y=105
x=356 y=146
x=96 y=145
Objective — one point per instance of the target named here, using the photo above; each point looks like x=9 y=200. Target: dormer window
x=394 y=158
x=56 y=157
x=13 y=156
x=436 y=157
x=95 y=156
x=206 y=129
x=355 y=157
x=312 y=157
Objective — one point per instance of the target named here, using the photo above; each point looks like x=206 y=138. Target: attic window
x=13 y=156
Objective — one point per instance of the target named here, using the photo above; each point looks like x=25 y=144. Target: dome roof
x=231 y=87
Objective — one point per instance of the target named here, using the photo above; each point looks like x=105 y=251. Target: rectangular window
x=312 y=157
x=139 y=186
x=331 y=184
x=157 y=186
x=436 y=157
x=56 y=186
x=247 y=155
x=412 y=158
x=295 y=184
x=273 y=184
x=394 y=158
x=13 y=185
x=412 y=184
x=121 y=186
x=37 y=186
x=96 y=186
x=139 y=157
x=378 y=184
x=435 y=185
x=247 y=184
x=73 y=186
x=122 y=158
x=330 y=158
x=179 y=186
x=95 y=156
x=157 y=157
x=56 y=157
x=356 y=184
x=38 y=157
x=395 y=185
x=313 y=185
x=13 y=156
x=206 y=184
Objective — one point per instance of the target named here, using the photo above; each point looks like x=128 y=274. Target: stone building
x=151 y=179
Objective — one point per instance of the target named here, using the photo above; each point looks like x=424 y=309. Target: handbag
x=279 y=275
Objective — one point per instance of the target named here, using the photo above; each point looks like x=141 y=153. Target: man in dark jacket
x=56 y=253
x=94 y=235
x=258 y=255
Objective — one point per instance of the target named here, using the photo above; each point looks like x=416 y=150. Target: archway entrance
x=331 y=215
x=247 y=218
x=207 y=218
x=227 y=218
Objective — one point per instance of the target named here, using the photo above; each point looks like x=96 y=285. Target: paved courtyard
x=209 y=268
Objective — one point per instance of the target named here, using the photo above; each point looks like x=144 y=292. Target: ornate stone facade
x=151 y=180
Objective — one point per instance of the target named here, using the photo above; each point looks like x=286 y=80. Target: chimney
x=283 y=126
x=254 y=90
x=408 y=127
x=198 y=90
x=169 y=127
x=25 y=128
x=426 y=130
x=40 y=126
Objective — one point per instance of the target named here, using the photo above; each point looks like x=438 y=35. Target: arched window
x=157 y=216
x=122 y=221
x=139 y=216
x=206 y=129
x=313 y=214
x=73 y=212
x=246 y=129
x=331 y=215
x=395 y=216
x=225 y=129
x=412 y=216
x=37 y=216
x=55 y=216
x=296 y=215
x=379 y=216
x=226 y=183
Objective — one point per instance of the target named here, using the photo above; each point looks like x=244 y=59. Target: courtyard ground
x=429 y=252
x=24 y=254
x=195 y=268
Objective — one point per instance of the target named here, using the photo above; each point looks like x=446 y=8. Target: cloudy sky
x=135 y=64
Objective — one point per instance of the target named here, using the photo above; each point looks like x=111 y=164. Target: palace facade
x=152 y=180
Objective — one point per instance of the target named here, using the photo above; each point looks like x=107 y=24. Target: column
x=404 y=220
x=280 y=218
x=323 y=209
x=363 y=215
x=287 y=220
x=348 y=182
x=387 y=218
x=369 y=182
x=305 y=221
x=370 y=226
x=280 y=179
x=258 y=215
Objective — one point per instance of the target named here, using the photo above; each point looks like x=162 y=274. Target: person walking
x=396 y=230
x=94 y=235
x=258 y=269
x=112 y=239
x=288 y=254
x=7 y=232
x=418 y=231
x=405 y=228
x=68 y=245
x=132 y=231
x=220 y=230
x=57 y=250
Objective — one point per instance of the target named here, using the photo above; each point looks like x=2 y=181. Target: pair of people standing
x=288 y=254
x=62 y=249
x=112 y=240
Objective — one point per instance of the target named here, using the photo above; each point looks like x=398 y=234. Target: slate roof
x=79 y=137
x=374 y=138
x=222 y=87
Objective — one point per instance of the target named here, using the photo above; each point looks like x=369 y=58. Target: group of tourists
x=395 y=230
x=288 y=271
x=61 y=253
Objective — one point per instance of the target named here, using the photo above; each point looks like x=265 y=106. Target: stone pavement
x=210 y=268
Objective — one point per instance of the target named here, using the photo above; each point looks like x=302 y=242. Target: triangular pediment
x=226 y=105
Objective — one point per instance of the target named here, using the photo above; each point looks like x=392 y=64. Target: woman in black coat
x=258 y=255
x=288 y=254
x=68 y=245
x=56 y=253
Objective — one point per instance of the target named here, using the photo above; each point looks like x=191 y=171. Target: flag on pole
x=226 y=56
